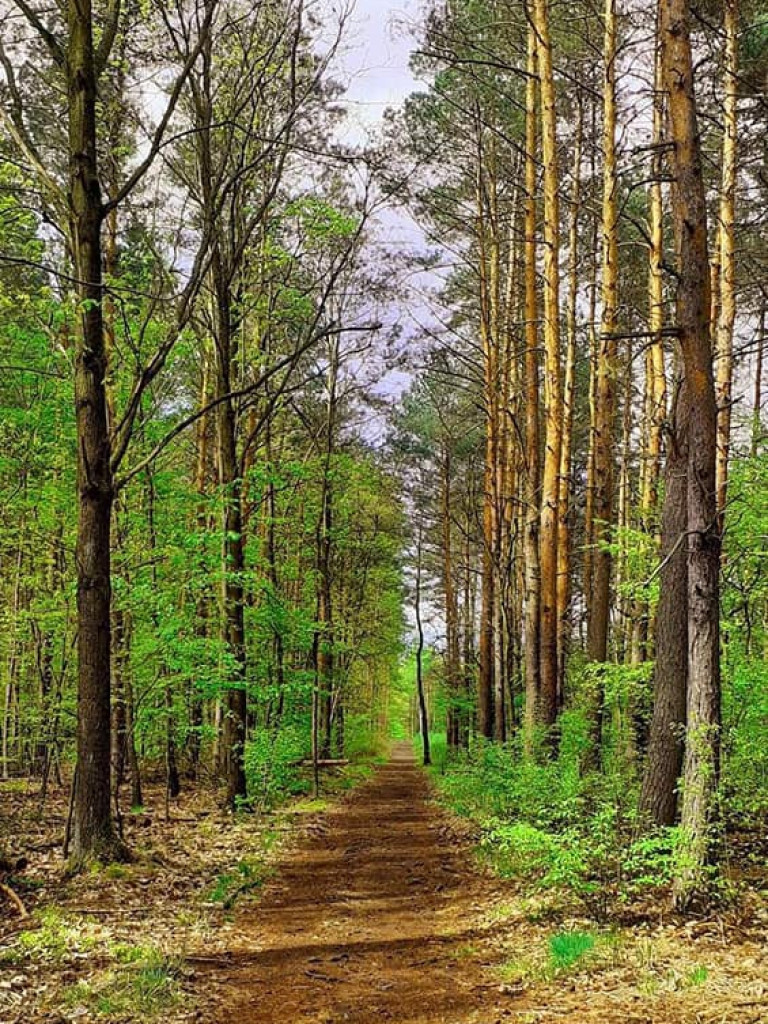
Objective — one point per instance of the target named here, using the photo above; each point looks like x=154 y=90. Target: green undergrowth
x=246 y=877
x=565 y=953
x=144 y=984
x=52 y=938
x=278 y=771
x=139 y=981
x=551 y=826
x=567 y=948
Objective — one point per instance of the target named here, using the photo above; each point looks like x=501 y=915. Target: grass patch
x=466 y=951
x=352 y=775
x=249 y=874
x=56 y=940
x=696 y=976
x=308 y=805
x=145 y=986
x=564 y=952
x=567 y=948
x=117 y=872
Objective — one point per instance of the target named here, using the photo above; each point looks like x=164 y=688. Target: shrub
x=272 y=764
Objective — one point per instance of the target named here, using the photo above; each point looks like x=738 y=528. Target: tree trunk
x=702 y=752
x=605 y=394
x=658 y=798
x=655 y=402
x=232 y=545
x=322 y=648
x=727 y=254
x=93 y=833
x=201 y=610
x=452 y=666
x=553 y=402
x=757 y=398
x=564 y=499
x=532 y=461
x=423 y=715
x=486 y=673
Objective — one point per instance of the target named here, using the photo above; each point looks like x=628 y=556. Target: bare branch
x=173 y=99
x=107 y=37
x=55 y=48
x=187 y=421
x=13 y=119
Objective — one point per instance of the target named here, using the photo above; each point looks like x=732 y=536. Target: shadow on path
x=373 y=917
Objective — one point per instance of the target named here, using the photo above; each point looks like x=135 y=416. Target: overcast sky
x=374 y=61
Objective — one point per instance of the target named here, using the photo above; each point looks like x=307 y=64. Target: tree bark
x=757 y=397
x=489 y=597
x=233 y=558
x=423 y=715
x=452 y=667
x=605 y=394
x=532 y=570
x=93 y=834
x=727 y=253
x=655 y=402
x=553 y=402
x=702 y=752
x=564 y=498
x=658 y=798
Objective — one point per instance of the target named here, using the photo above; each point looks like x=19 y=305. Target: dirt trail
x=374 y=917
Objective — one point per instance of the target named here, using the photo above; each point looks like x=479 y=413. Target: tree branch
x=181 y=426
x=107 y=37
x=13 y=119
x=173 y=99
x=55 y=48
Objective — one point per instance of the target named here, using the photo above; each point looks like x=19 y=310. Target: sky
x=373 y=61
x=372 y=64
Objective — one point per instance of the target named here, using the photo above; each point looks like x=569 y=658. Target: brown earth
x=377 y=910
x=381 y=913
x=374 y=917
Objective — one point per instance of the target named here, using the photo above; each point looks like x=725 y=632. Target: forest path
x=374 y=916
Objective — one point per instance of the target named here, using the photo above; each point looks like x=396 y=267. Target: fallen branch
x=8 y=892
x=328 y=762
x=194 y=958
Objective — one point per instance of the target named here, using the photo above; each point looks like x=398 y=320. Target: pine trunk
x=553 y=401
x=532 y=571
x=702 y=751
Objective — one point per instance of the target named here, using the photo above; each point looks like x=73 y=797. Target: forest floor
x=373 y=908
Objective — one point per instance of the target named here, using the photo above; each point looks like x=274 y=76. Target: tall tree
x=531 y=376
x=553 y=394
x=702 y=537
x=604 y=413
x=78 y=205
x=726 y=256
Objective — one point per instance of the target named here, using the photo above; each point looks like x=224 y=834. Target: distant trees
x=188 y=325
x=612 y=548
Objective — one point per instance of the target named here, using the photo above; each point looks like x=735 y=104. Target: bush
x=552 y=826
x=272 y=765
